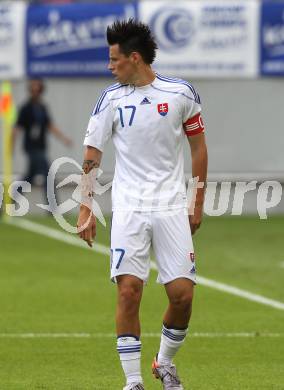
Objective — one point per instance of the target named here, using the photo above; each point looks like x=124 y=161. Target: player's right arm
x=98 y=133
x=86 y=223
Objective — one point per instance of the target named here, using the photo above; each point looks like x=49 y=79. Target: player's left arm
x=199 y=158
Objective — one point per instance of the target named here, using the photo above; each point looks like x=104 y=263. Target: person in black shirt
x=35 y=121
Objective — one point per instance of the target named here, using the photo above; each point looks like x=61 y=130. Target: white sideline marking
x=240 y=293
x=144 y=335
x=56 y=234
x=68 y=238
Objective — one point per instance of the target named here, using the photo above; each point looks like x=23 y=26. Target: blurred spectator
x=34 y=120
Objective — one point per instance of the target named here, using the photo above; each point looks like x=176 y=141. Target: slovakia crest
x=163 y=108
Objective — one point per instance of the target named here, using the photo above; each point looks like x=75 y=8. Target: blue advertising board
x=272 y=38
x=70 y=40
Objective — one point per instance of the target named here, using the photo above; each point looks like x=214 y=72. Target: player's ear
x=136 y=57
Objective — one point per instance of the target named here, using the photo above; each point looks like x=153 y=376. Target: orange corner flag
x=7 y=107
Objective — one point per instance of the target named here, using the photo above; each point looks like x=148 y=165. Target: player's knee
x=129 y=297
x=182 y=301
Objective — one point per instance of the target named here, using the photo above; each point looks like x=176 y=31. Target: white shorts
x=133 y=233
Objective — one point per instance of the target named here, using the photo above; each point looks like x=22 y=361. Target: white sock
x=129 y=349
x=171 y=341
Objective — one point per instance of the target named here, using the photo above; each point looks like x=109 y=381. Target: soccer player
x=148 y=117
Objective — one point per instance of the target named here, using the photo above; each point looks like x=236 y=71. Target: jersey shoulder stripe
x=180 y=81
x=103 y=95
x=183 y=82
x=177 y=81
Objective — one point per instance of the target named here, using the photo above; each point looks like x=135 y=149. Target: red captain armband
x=194 y=125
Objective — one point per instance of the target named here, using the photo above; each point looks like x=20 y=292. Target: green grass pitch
x=49 y=287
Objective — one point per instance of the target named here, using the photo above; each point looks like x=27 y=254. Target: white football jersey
x=147 y=125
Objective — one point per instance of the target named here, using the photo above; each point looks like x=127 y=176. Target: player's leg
x=180 y=294
x=173 y=247
x=130 y=244
x=176 y=318
x=129 y=294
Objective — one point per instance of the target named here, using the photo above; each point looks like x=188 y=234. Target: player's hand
x=196 y=219
x=86 y=225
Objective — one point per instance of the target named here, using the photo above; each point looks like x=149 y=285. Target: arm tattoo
x=88 y=165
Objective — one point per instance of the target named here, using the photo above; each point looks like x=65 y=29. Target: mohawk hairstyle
x=132 y=35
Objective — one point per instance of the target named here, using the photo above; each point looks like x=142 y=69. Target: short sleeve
x=192 y=103
x=192 y=120
x=99 y=129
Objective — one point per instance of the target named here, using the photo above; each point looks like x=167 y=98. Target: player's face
x=122 y=67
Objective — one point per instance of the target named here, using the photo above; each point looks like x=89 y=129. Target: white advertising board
x=12 y=39
x=204 y=38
